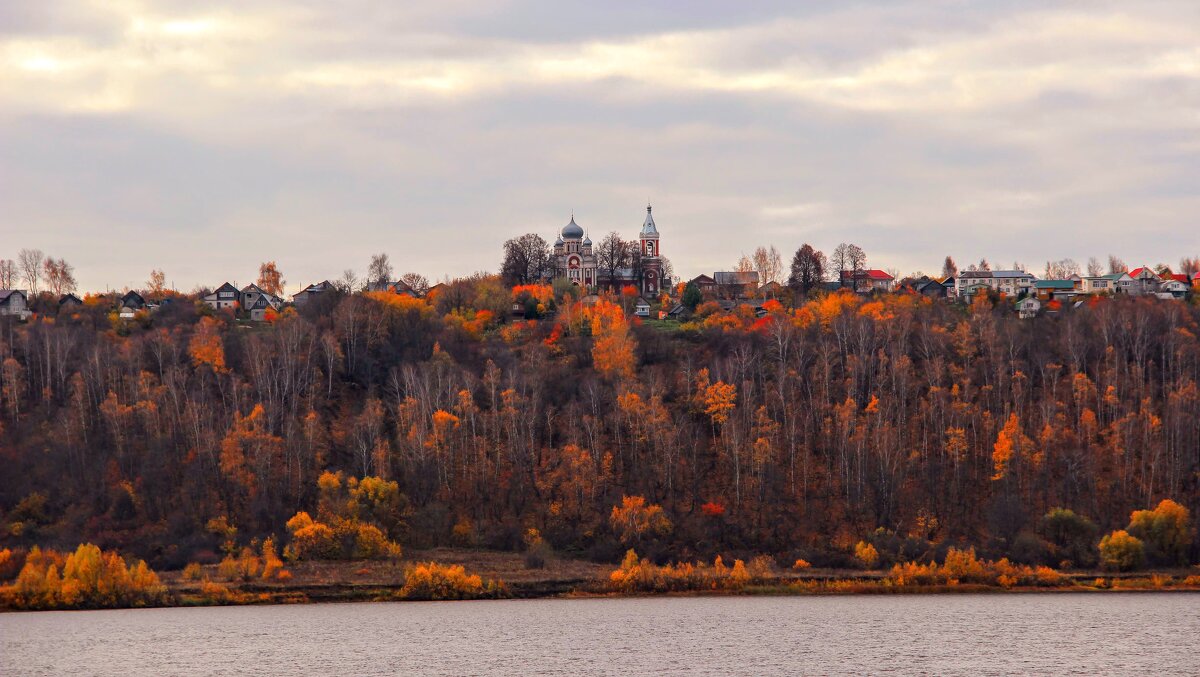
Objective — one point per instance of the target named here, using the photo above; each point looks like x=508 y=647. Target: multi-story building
x=1008 y=282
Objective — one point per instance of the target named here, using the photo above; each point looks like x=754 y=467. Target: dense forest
x=908 y=424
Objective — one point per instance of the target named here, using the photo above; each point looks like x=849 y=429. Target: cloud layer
x=136 y=134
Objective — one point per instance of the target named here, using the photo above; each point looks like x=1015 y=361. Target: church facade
x=576 y=260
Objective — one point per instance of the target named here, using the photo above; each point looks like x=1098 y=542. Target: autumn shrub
x=639 y=575
x=217 y=594
x=1164 y=531
x=433 y=581
x=1119 y=551
x=1072 y=536
x=228 y=569
x=537 y=550
x=310 y=539
x=272 y=565
x=366 y=541
x=964 y=567
x=87 y=578
x=761 y=567
x=801 y=564
x=192 y=572
x=866 y=554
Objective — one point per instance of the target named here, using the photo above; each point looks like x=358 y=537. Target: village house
x=14 y=303
x=402 y=288
x=1028 y=307
x=737 y=284
x=301 y=297
x=260 y=307
x=129 y=304
x=1009 y=282
x=251 y=293
x=641 y=307
x=225 y=297
x=69 y=303
x=1145 y=281
x=1094 y=284
x=706 y=285
x=933 y=289
x=949 y=282
x=1172 y=289
x=866 y=281
x=1054 y=290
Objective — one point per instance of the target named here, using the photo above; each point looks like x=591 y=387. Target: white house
x=1008 y=282
x=1028 y=307
x=225 y=297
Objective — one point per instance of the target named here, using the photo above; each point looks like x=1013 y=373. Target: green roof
x=1054 y=284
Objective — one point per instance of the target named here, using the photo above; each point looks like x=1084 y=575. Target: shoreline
x=375 y=595
x=326 y=582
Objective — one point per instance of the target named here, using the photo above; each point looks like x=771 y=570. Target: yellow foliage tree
x=634 y=518
x=89 y=578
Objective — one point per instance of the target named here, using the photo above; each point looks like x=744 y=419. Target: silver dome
x=572 y=231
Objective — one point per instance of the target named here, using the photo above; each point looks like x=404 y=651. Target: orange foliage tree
x=613 y=346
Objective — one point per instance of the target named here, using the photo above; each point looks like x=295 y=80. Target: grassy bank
x=480 y=574
x=382 y=581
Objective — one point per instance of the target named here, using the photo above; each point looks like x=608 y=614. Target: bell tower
x=652 y=281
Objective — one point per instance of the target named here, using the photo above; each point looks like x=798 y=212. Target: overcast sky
x=204 y=140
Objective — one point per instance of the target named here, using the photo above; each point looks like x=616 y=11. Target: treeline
x=904 y=424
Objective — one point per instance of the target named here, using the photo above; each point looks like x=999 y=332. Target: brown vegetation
x=366 y=421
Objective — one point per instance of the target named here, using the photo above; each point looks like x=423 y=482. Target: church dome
x=587 y=241
x=572 y=231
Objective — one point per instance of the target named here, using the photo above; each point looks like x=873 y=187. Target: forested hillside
x=910 y=424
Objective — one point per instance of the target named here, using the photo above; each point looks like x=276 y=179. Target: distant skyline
x=205 y=140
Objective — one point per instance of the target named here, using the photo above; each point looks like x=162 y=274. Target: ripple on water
x=1081 y=634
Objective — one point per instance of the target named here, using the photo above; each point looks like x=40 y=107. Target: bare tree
x=30 y=263
x=1061 y=269
x=1116 y=265
x=1189 y=265
x=58 y=275
x=379 y=273
x=612 y=254
x=848 y=259
x=808 y=269
x=526 y=260
x=417 y=282
x=8 y=273
x=984 y=265
x=349 y=281
x=769 y=264
x=744 y=264
x=949 y=268
x=1094 y=267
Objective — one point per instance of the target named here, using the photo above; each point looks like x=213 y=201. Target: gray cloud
x=139 y=135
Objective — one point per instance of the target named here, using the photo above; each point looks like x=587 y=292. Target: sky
x=205 y=138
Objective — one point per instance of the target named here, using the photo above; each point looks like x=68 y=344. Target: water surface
x=987 y=634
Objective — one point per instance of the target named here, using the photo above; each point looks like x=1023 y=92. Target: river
x=969 y=634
